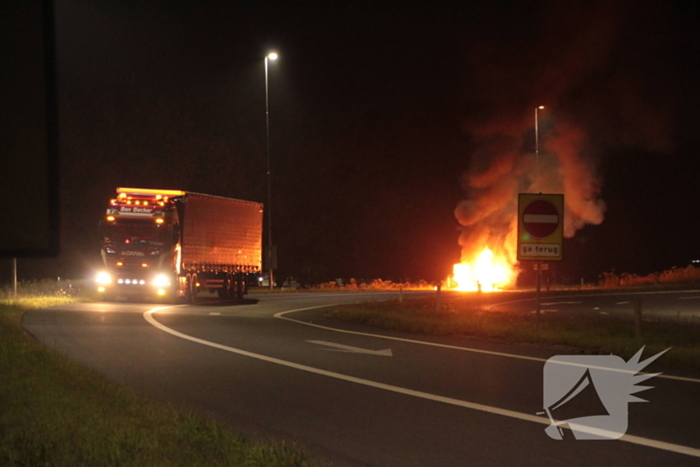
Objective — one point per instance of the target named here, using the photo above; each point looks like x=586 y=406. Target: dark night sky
x=375 y=113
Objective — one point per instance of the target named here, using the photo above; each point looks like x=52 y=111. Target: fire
x=488 y=272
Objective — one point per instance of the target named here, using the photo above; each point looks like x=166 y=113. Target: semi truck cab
x=139 y=244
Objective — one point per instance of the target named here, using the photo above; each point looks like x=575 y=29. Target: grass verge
x=583 y=333
x=54 y=412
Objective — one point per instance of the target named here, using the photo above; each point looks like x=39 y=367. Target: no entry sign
x=540 y=227
x=540 y=218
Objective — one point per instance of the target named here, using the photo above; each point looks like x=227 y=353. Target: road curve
x=356 y=396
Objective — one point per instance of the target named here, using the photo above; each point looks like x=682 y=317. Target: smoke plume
x=568 y=62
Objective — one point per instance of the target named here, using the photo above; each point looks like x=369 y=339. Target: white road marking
x=622 y=303
x=541 y=219
x=215 y=314
x=666 y=292
x=687 y=450
x=689 y=298
x=347 y=348
x=281 y=314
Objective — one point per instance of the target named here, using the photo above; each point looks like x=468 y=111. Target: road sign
x=540 y=218
x=540 y=227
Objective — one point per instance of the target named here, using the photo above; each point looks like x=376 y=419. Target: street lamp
x=270 y=254
x=537 y=183
x=537 y=145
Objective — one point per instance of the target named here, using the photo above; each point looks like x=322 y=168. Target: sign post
x=540 y=232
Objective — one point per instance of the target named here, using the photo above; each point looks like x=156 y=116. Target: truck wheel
x=193 y=288
x=231 y=291
x=189 y=289
x=239 y=286
x=223 y=292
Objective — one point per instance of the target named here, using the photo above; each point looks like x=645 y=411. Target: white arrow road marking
x=281 y=314
x=347 y=348
x=687 y=450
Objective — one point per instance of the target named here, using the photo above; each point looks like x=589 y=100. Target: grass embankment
x=55 y=412
x=465 y=316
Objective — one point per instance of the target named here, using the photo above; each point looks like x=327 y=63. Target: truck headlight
x=161 y=280
x=103 y=278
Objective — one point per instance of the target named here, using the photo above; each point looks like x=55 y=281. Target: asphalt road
x=358 y=396
x=675 y=305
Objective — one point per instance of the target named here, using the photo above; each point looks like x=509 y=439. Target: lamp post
x=270 y=253
x=537 y=145
x=537 y=184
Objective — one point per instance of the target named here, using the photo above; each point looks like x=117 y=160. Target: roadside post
x=540 y=233
x=438 y=289
x=14 y=276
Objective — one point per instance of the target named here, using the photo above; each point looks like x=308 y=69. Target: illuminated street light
x=537 y=145
x=270 y=254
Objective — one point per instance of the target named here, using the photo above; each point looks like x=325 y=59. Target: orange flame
x=487 y=273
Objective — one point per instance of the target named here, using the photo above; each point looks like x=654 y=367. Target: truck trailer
x=172 y=244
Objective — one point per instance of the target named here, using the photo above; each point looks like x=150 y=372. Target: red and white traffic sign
x=540 y=218
x=540 y=227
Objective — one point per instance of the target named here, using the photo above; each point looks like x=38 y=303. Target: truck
x=173 y=244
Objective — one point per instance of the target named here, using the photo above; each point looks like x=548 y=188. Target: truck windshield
x=134 y=231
